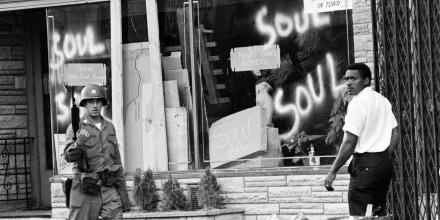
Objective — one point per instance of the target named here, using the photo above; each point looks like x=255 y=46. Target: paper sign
x=315 y=6
x=237 y=136
x=81 y=74
x=255 y=58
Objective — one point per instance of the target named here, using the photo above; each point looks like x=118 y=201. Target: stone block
x=304 y=211
x=281 y=192
x=249 y=217
x=301 y=206
x=265 y=183
x=231 y=184
x=7 y=110
x=60 y=213
x=360 y=29
x=336 y=209
x=285 y=200
x=56 y=190
x=21 y=133
x=12 y=65
x=6 y=80
x=361 y=42
x=11 y=40
x=12 y=100
x=58 y=200
x=256 y=209
x=338 y=188
x=5 y=53
x=12 y=92
x=360 y=54
x=345 y=197
x=13 y=121
x=246 y=198
x=11 y=72
x=327 y=194
x=17 y=53
x=17 y=30
x=264 y=178
x=322 y=200
x=20 y=82
x=255 y=189
x=305 y=180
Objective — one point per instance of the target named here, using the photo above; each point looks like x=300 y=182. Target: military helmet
x=92 y=91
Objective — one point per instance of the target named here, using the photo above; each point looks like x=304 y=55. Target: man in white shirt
x=370 y=135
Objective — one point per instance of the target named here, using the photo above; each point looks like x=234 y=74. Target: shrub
x=173 y=197
x=208 y=195
x=144 y=191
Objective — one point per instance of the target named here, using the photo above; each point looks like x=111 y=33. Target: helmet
x=92 y=91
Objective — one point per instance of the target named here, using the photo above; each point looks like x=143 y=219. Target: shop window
x=78 y=54
x=134 y=21
x=283 y=55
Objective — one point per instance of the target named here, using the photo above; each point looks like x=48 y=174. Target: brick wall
x=13 y=104
x=284 y=193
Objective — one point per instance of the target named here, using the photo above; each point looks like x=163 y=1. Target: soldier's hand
x=81 y=137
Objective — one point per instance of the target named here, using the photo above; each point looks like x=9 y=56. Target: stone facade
x=13 y=109
x=13 y=100
x=285 y=193
x=363 y=33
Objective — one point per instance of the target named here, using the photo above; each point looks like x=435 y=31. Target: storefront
x=266 y=77
x=227 y=84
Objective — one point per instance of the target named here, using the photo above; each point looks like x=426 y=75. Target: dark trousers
x=370 y=177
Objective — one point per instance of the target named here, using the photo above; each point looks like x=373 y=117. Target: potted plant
x=173 y=196
x=208 y=194
x=144 y=191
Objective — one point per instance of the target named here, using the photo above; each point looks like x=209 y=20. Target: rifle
x=83 y=162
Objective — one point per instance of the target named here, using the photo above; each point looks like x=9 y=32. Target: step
x=214 y=58
x=211 y=44
x=217 y=72
x=220 y=86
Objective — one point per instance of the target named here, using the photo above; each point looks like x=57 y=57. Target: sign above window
x=315 y=6
x=255 y=58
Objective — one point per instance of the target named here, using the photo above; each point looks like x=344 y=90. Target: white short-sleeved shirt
x=371 y=119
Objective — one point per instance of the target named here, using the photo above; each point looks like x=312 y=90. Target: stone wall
x=13 y=101
x=285 y=193
x=13 y=107
x=363 y=33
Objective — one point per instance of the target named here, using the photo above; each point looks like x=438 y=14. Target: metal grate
x=192 y=197
x=15 y=181
x=407 y=38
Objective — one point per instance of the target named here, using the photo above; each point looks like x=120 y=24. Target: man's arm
x=347 y=148
x=394 y=140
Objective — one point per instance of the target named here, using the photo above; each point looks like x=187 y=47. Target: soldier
x=98 y=186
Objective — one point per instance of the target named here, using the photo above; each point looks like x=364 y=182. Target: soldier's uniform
x=95 y=190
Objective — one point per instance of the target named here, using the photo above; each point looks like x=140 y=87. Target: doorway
x=37 y=74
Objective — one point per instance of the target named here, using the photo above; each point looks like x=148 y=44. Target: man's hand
x=81 y=137
x=328 y=181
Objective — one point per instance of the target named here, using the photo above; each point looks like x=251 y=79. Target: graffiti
x=74 y=45
x=306 y=97
x=284 y=24
x=63 y=114
x=236 y=139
